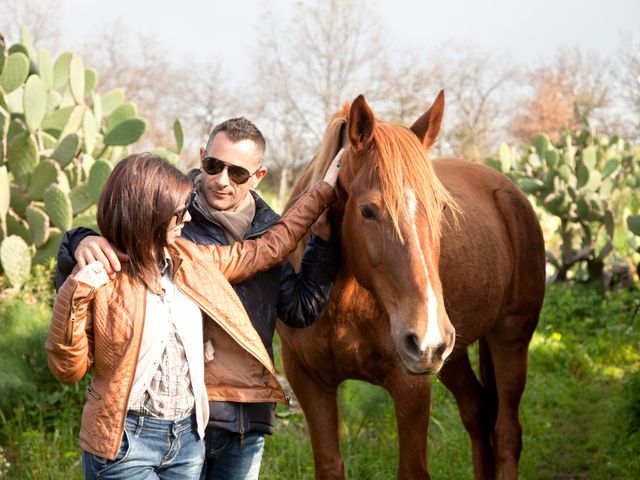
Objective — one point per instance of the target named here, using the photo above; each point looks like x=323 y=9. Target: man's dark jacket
x=296 y=298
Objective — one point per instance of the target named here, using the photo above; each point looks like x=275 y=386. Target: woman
x=142 y=333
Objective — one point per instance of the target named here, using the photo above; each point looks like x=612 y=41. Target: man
x=227 y=210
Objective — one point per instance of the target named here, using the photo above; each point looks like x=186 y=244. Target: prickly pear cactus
x=54 y=129
x=59 y=141
x=588 y=183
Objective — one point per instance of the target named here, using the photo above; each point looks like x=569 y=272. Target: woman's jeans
x=151 y=448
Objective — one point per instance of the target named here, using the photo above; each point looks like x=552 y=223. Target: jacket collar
x=263 y=220
x=172 y=262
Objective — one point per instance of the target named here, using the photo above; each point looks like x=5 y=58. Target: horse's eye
x=368 y=213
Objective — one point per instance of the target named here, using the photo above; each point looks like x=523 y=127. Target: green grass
x=39 y=417
x=580 y=411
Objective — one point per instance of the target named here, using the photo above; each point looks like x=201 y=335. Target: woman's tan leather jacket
x=102 y=329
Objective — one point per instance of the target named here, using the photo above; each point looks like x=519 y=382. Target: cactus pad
x=55 y=121
x=81 y=198
x=178 y=133
x=100 y=171
x=58 y=206
x=111 y=100
x=61 y=70
x=35 y=102
x=76 y=79
x=38 y=225
x=123 y=112
x=89 y=130
x=45 y=67
x=125 y=133
x=23 y=155
x=66 y=149
x=90 y=80
x=44 y=174
x=5 y=194
x=49 y=249
x=14 y=72
x=15 y=256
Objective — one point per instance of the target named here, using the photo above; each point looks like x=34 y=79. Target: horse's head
x=392 y=216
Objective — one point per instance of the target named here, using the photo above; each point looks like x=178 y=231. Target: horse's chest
x=355 y=350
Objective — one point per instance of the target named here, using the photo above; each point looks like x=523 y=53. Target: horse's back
x=493 y=258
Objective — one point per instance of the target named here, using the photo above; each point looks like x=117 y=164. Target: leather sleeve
x=66 y=254
x=70 y=342
x=242 y=260
x=303 y=295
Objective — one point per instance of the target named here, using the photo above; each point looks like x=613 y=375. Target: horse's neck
x=352 y=297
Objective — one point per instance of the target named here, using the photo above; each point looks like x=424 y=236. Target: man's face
x=221 y=192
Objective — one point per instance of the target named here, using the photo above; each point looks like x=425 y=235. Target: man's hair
x=238 y=129
x=136 y=206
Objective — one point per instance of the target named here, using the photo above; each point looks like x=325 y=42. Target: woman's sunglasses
x=239 y=175
x=179 y=214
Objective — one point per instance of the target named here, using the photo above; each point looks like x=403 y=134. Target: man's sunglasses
x=239 y=175
x=179 y=214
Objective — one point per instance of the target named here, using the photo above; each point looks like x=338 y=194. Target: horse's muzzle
x=420 y=358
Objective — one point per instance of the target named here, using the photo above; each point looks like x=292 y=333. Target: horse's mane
x=316 y=168
x=411 y=169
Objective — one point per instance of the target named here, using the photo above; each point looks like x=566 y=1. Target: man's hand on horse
x=94 y=248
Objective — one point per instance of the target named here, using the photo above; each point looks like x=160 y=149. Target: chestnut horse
x=435 y=256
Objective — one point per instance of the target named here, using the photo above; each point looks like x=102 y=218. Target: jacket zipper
x=71 y=326
x=93 y=393
x=72 y=318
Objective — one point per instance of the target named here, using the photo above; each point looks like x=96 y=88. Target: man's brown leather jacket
x=101 y=329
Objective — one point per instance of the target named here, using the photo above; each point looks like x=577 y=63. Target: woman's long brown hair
x=136 y=206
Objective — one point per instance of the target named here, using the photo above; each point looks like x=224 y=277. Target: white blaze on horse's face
x=420 y=326
x=433 y=343
x=401 y=274
x=391 y=221
x=432 y=335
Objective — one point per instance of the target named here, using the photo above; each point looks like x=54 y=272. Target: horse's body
x=387 y=323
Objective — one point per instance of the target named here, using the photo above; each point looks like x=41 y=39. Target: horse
x=436 y=255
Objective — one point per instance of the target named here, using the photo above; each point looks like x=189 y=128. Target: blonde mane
x=400 y=161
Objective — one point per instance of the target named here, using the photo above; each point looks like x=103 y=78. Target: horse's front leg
x=412 y=399
x=475 y=411
x=320 y=407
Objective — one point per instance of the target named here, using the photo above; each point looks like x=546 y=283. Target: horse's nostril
x=439 y=350
x=411 y=346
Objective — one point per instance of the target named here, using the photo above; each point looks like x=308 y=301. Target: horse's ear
x=361 y=122
x=427 y=127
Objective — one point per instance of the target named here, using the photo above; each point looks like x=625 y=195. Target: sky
x=225 y=31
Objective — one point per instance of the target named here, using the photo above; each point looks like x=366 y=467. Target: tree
x=476 y=86
x=162 y=89
x=547 y=110
x=572 y=90
x=306 y=68
x=40 y=17
x=629 y=80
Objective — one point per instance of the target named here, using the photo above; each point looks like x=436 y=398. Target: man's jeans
x=228 y=460
x=151 y=448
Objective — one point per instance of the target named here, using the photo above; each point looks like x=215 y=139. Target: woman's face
x=179 y=218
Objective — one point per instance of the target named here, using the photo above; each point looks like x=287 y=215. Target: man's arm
x=304 y=295
x=83 y=246
x=66 y=253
